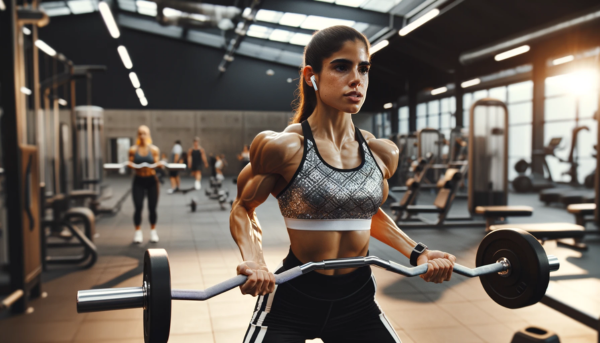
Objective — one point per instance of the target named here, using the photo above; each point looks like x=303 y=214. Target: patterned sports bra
x=323 y=198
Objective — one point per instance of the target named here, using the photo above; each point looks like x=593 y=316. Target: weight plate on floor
x=193 y=205
x=529 y=274
x=157 y=308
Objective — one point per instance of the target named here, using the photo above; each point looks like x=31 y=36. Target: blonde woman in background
x=145 y=182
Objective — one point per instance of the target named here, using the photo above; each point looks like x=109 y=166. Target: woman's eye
x=364 y=70
x=341 y=67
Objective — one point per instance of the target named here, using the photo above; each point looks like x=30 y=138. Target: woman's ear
x=309 y=75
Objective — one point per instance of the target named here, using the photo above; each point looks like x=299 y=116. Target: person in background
x=244 y=156
x=145 y=183
x=160 y=172
x=174 y=174
x=220 y=163
x=197 y=156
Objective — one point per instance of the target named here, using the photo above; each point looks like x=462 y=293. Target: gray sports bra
x=324 y=198
x=137 y=158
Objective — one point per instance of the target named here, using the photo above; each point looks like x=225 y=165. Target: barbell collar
x=108 y=299
x=553 y=262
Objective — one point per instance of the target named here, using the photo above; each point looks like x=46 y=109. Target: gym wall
x=220 y=132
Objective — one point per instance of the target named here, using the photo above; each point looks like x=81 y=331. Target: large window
x=382 y=125
x=518 y=98
x=437 y=114
x=570 y=102
x=403 y=124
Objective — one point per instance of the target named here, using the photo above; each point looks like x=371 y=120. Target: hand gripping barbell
x=512 y=265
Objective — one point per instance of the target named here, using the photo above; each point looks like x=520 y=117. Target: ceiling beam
x=310 y=7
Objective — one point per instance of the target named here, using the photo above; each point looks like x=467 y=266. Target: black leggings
x=338 y=309
x=141 y=185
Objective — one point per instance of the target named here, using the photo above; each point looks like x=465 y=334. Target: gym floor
x=202 y=253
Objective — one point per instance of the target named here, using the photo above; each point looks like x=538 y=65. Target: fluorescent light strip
x=379 y=46
x=470 y=83
x=439 y=91
x=140 y=93
x=350 y=3
x=25 y=90
x=512 y=53
x=388 y=105
x=125 y=57
x=563 y=60
x=134 y=80
x=2 y=5
x=422 y=20
x=81 y=6
x=26 y=30
x=109 y=20
x=62 y=102
x=144 y=101
x=45 y=47
x=292 y=19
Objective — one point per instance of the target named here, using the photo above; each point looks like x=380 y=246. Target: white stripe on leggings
x=261 y=335
x=389 y=328
x=250 y=334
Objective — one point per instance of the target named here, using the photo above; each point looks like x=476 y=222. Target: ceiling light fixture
x=439 y=91
x=125 y=57
x=144 y=101
x=81 y=6
x=314 y=22
x=26 y=31
x=379 y=46
x=350 y=3
x=512 y=53
x=563 y=60
x=388 y=105
x=134 y=80
x=25 y=90
x=109 y=20
x=292 y=19
x=140 y=93
x=470 y=83
x=45 y=47
x=422 y=20
x=62 y=102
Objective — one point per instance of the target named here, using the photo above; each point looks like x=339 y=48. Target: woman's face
x=143 y=134
x=344 y=77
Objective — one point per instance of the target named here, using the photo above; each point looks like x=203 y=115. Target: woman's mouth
x=354 y=96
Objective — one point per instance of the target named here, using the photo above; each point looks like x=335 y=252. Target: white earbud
x=312 y=78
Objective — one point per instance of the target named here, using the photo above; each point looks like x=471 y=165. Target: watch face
x=420 y=248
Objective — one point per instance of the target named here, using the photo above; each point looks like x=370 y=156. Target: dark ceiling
x=429 y=56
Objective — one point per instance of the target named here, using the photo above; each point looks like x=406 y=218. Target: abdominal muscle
x=314 y=246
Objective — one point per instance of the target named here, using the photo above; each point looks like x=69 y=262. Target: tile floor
x=203 y=253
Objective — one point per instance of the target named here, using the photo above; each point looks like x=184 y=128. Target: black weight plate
x=157 y=310
x=521 y=166
x=530 y=270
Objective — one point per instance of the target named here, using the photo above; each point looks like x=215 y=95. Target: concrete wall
x=220 y=132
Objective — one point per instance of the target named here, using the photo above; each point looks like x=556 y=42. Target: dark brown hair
x=323 y=44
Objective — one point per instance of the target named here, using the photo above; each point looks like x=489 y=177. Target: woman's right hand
x=260 y=280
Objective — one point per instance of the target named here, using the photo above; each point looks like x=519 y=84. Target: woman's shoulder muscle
x=271 y=151
x=385 y=150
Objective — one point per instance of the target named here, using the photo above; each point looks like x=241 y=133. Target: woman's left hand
x=440 y=265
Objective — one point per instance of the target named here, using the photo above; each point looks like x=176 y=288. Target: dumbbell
x=117 y=166
x=512 y=265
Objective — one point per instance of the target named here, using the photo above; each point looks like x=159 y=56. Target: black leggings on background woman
x=142 y=186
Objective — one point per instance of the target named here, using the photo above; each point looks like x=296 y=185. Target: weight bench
x=551 y=232
x=582 y=212
x=495 y=213
x=412 y=186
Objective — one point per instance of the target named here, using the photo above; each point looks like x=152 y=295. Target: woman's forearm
x=384 y=229
x=247 y=233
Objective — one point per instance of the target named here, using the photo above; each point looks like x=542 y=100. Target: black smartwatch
x=417 y=251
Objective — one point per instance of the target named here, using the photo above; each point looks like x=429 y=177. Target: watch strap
x=417 y=251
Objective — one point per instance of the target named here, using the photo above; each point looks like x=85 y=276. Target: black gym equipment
x=216 y=193
x=511 y=264
x=554 y=195
x=536 y=181
x=411 y=190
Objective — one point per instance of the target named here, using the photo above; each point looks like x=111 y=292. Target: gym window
x=518 y=98
x=570 y=101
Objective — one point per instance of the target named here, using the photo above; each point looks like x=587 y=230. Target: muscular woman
x=196 y=157
x=330 y=179
x=145 y=183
